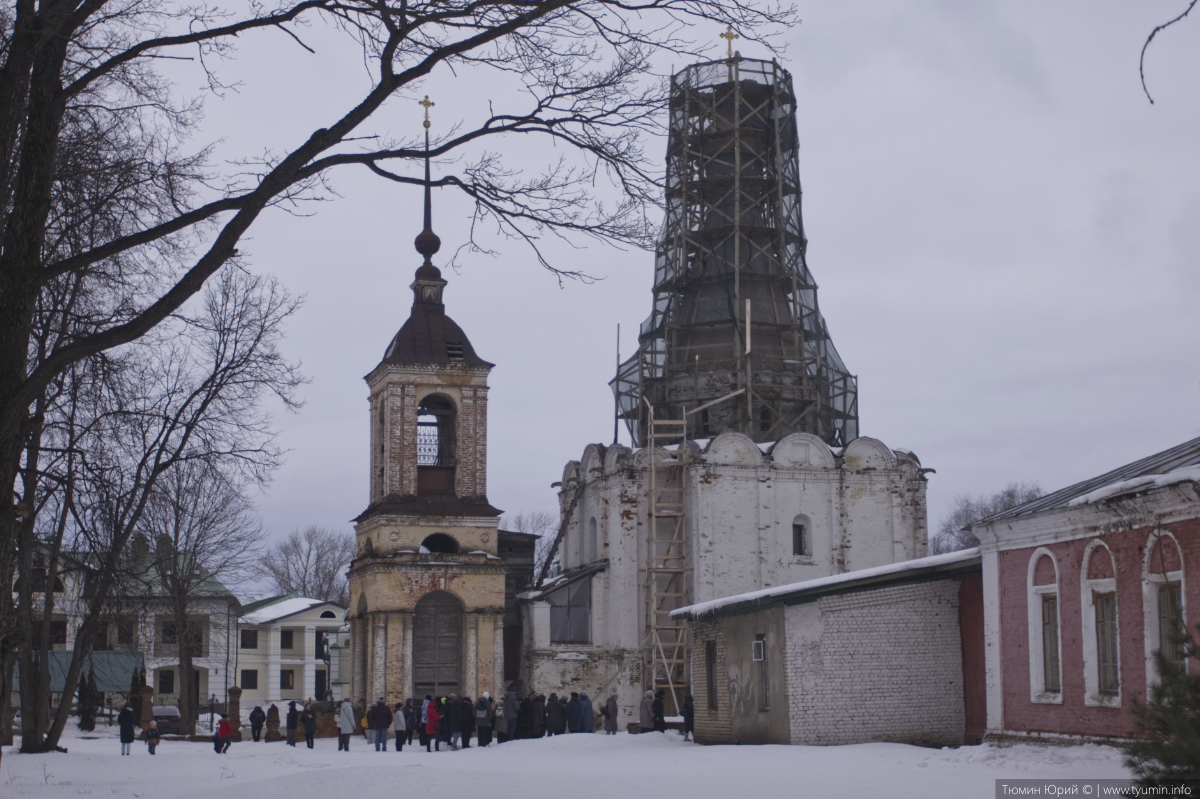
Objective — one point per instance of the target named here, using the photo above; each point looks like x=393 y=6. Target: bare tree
x=538 y=522
x=189 y=394
x=953 y=534
x=311 y=563
x=206 y=533
x=1146 y=45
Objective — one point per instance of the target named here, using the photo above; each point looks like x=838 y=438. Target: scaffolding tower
x=735 y=339
x=735 y=305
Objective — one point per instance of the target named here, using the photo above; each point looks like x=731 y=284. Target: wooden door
x=437 y=645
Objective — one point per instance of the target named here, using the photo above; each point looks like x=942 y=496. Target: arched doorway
x=437 y=644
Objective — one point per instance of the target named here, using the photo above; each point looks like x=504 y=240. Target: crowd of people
x=444 y=720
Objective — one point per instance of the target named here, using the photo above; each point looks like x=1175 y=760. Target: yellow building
x=427 y=587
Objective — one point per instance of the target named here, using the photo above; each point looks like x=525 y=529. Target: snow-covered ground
x=575 y=766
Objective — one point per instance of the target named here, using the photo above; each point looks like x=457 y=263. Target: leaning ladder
x=666 y=578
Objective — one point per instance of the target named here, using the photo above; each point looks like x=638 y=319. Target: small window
x=1052 y=683
x=166 y=682
x=801 y=538
x=454 y=350
x=1106 y=642
x=705 y=430
x=328 y=614
x=710 y=672
x=170 y=634
x=764 y=420
x=287 y=639
x=249 y=639
x=1170 y=622
x=760 y=652
x=249 y=679
x=287 y=680
x=571 y=613
x=126 y=632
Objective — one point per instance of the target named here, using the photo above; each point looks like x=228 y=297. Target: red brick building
x=1081 y=587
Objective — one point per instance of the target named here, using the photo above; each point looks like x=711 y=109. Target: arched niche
x=802 y=450
x=437 y=644
x=733 y=449
x=868 y=453
x=615 y=456
x=361 y=610
x=440 y=544
x=437 y=444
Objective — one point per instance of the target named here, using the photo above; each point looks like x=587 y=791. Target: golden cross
x=428 y=104
x=729 y=36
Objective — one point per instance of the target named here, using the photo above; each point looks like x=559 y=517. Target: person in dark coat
x=153 y=736
x=379 y=719
x=556 y=716
x=291 y=720
x=574 y=714
x=467 y=714
x=539 y=716
x=452 y=721
x=524 y=718
x=587 y=715
x=689 y=717
x=125 y=721
x=410 y=719
x=308 y=720
x=658 y=709
x=257 y=719
x=484 y=716
x=610 y=715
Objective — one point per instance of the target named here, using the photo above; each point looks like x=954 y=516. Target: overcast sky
x=1004 y=231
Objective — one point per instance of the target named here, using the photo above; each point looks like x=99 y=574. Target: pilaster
x=471 y=656
x=378 y=663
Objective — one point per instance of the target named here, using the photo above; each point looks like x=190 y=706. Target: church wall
x=392 y=534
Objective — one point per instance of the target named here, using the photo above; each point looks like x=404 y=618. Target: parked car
x=168 y=719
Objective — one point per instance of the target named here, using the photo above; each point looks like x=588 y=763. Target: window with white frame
x=1163 y=592
x=1045 y=648
x=1100 y=620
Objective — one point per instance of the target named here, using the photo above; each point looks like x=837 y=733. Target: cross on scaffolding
x=428 y=104
x=728 y=36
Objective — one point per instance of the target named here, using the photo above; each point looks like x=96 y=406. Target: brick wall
x=713 y=725
x=877 y=665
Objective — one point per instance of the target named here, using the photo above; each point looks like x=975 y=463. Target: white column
x=378 y=656
x=272 y=675
x=471 y=686
x=309 y=669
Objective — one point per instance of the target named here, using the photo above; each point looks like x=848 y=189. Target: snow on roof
x=278 y=610
x=1170 y=466
x=700 y=608
x=1182 y=475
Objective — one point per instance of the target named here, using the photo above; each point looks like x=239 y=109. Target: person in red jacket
x=432 y=726
x=224 y=735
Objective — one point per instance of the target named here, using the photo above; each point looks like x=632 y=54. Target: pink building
x=1081 y=587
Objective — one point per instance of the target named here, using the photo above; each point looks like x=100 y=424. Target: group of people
x=448 y=720
x=452 y=720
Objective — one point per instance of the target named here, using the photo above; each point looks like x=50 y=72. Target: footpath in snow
x=575 y=766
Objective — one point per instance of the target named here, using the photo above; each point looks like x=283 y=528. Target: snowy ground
x=575 y=766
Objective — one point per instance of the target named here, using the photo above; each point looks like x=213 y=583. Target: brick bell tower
x=427 y=587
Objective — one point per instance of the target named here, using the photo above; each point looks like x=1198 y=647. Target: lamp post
x=212 y=706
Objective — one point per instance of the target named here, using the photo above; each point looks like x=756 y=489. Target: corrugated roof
x=1169 y=460
x=113 y=670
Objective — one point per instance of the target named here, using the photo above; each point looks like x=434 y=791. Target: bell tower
x=427 y=589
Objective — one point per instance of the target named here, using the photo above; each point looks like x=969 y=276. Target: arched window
x=328 y=614
x=440 y=543
x=1045 y=650
x=590 y=553
x=362 y=605
x=436 y=431
x=1101 y=649
x=1163 y=606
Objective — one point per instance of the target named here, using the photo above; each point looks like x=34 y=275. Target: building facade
x=893 y=653
x=286 y=649
x=1082 y=587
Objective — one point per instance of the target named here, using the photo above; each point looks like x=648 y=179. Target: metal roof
x=425 y=337
x=1177 y=457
